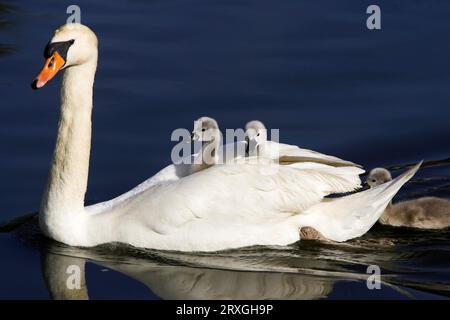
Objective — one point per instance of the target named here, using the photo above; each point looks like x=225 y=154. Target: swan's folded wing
x=287 y=154
x=243 y=192
x=225 y=206
x=349 y=174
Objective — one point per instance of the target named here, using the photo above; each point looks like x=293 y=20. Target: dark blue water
x=310 y=68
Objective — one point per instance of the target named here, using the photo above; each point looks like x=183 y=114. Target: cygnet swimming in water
x=423 y=213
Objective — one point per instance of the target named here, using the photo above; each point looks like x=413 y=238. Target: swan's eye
x=50 y=65
x=203 y=129
x=257 y=134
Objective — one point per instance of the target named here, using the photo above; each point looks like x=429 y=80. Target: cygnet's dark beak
x=194 y=136
x=247 y=145
x=365 y=186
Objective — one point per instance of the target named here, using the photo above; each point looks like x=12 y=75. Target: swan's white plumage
x=203 y=211
x=241 y=203
x=232 y=152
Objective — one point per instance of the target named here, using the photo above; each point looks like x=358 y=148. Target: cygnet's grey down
x=423 y=213
x=255 y=137
x=206 y=130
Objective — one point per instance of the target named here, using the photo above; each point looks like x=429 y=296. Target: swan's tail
x=348 y=217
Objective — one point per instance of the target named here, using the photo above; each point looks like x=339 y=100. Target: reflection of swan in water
x=55 y=271
x=302 y=271
x=182 y=282
x=170 y=282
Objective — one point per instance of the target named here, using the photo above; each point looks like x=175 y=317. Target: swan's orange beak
x=51 y=67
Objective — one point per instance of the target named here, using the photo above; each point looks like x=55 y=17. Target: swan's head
x=255 y=135
x=72 y=44
x=205 y=129
x=378 y=176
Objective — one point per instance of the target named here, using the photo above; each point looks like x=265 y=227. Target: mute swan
x=256 y=136
x=423 y=213
x=225 y=206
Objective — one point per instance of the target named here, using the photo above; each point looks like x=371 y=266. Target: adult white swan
x=224 y=206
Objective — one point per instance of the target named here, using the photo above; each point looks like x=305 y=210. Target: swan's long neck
x=67 y=182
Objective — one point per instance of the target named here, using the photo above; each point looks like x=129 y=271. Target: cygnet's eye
x=373 y=180
x=257 y=134
x=203 y=129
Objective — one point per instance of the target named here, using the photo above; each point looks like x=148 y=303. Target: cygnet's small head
x=378 y=176
x=255 y=134
x=206 y=129
x=72 y=44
